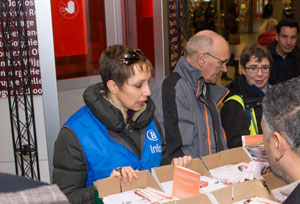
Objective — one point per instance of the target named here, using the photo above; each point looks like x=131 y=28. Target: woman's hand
x=126 y=173
x=182 y=161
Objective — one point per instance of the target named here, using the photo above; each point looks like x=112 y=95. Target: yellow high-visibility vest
x=253 y=124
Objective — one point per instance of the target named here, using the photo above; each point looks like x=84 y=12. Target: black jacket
x=294 y=197
x=277 y=59
x=70 y=167
x=234 y=119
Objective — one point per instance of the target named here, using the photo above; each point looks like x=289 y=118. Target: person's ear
x=276 y=36
x=201 y=58
x=280 y=145
x=112 y=87
x=243 y=70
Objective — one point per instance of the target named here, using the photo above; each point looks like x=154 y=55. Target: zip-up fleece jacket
x=96 y=140
x=185 y=115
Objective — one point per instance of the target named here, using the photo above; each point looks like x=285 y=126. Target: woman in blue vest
x=114 y=134
x=242 y=111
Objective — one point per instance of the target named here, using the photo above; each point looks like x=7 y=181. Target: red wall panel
x=69 y=27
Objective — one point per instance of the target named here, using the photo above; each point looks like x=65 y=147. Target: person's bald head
x=209 y=52
x=205 y=41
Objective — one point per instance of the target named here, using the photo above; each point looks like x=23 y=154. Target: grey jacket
x=186 y=110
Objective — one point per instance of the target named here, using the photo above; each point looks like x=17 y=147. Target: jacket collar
x=240 y=86
x=194 y=77
x=190 y=73
x=110 y=115
x=273 y=45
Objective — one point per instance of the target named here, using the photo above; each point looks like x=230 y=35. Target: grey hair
x=199 y=43
x=281 y=111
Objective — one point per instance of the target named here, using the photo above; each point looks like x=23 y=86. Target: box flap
x=221 y=196
x=226 y=157
x=165 y=173
x=201 y=198
x=144 y=179
x=198 y=166
x=273 y=181
x=107 y=186
x=249 y=189
x=111 y=185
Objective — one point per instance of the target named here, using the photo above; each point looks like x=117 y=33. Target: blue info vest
x=103 y=154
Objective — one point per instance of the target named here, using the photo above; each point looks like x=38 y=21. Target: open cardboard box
x=272 y=181
x=250 y=189
x=226 y=157
x=165 y=173
x=112 y=185
x=230 y=194
x=221 y=196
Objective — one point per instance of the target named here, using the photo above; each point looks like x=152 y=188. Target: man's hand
x=126 y=173
x=182 y=161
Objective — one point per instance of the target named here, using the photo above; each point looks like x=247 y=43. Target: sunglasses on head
x=131 y=57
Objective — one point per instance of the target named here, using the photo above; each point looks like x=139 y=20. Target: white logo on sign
x=71 y=7
x=151 y=135
x=68 y=9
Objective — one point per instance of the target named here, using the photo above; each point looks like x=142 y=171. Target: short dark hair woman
x=114 y=134
x=242 y=111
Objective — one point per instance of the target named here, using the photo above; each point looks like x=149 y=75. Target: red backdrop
x=69 y=27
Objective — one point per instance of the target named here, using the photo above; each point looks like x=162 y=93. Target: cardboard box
x=165 y=173
x=226 y=157
x=231 y=194
x=113 y=185
x=250 y=189
x=221 y=196
x=272 y=181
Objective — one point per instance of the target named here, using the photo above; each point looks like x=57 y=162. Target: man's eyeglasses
x=131 y=57
x=222 y=62
x=254 y=69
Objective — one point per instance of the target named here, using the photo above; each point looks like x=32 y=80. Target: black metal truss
x=178 y=16
x=20 y=98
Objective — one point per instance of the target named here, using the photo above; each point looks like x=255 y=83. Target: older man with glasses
x=186 y=101
x=242 y=111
